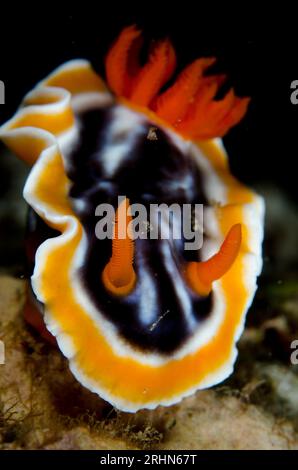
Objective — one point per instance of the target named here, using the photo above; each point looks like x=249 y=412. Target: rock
x=43 y=407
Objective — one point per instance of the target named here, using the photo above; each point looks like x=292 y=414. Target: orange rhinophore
x=119 y=276
x=189 y=105
x=201 y=274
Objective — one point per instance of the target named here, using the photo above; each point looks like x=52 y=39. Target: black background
x=261 y=58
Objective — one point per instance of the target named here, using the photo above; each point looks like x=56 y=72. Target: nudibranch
x=143 y=322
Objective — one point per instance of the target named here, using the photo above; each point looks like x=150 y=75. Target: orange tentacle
x=117 y=60
x=174 y=102
x=200 y=275
x=208 y=113
x=234 y=115
x=197 y=115
x=154 y=74
x=189 y=106
x=119 y=275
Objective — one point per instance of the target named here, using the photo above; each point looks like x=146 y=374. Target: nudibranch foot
x=35 y=319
